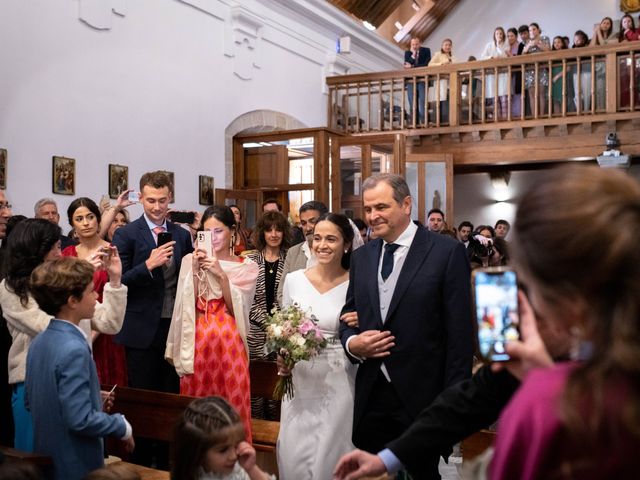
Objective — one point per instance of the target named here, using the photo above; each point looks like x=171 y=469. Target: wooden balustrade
x=580 y=82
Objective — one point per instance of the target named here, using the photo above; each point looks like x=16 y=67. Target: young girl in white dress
x=315 y=426
x=209 y=444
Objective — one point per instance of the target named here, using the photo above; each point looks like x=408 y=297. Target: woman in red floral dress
x=207 y=341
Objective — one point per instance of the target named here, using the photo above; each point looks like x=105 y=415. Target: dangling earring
x=232 y=243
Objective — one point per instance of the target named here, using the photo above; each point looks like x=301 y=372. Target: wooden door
x=430 y=179
x=356 y=158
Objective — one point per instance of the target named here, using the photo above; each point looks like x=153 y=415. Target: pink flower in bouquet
x=306 y=327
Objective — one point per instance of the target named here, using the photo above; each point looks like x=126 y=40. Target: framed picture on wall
x=118 y=179
x=173 y=185
x=205 y=190
x=3 y=168
x=63 y=175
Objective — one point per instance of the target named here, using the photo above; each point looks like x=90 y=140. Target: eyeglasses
x=5 y=206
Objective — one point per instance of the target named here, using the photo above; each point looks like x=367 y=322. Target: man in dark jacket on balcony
x=417 y=56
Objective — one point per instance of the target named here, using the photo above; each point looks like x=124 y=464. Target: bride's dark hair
x=343 y=224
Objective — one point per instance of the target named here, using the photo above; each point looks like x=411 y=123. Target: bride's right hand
x=283 y=370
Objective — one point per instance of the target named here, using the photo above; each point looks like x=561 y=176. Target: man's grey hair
x=396 y=182
x=41 y=203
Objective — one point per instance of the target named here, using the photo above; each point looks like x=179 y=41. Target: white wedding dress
x=315 y=426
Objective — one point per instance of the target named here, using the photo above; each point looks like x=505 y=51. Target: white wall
x=472 y=22
x=153 y=84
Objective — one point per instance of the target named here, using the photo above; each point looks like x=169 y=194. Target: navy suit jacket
x=63 y=393
x=146 y=290
x=429 y=315
x=424 y=57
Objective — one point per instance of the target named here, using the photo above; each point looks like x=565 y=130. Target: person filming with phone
x=576 y=413
x=151 y=249
x=207 y=342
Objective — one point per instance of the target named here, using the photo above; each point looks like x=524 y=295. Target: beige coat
x=25 y=323
x=182 y=332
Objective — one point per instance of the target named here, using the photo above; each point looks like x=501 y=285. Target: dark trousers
x=148 y=370
x=385 y=419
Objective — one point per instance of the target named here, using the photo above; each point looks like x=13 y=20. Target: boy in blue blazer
x=61 y=385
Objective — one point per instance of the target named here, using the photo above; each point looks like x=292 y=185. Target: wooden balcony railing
x=577 y=82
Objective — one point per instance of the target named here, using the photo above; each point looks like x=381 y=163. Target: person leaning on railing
x=628 y=33
x=443 y=57
x=537 y=43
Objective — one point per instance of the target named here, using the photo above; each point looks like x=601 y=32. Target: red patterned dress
x=220 y=360
x=111 y=362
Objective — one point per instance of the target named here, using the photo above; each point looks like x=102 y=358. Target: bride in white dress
x=315 y=426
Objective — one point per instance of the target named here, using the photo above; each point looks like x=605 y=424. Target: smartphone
x=495 y=297
x=182 y=217
x=133 y=197
x=203 y=241
x=164 y=237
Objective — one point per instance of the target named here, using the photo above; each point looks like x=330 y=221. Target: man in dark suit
x=151 y=274
x=417 y=56
x=410 y=288
x=47 y=208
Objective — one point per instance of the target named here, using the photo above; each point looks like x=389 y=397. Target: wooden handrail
x=557 y=84
x=583 y=53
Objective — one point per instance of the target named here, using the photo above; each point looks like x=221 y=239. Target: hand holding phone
x=133 y=196
x=495 y=294
x=204 y=242
x=161 y=255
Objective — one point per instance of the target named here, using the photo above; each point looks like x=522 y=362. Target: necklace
x=271 y=265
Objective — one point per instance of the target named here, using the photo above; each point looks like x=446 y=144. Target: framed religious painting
x=63 y=174
x=173 y=184
x=205 y=190
x=3 y=168
x=118 y=179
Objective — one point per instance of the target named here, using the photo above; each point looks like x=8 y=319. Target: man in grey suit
x=298 y=255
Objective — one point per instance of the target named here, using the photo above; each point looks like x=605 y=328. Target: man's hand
x=372 y=344
x=358 y=464
x=129 y=444
x=160 y=255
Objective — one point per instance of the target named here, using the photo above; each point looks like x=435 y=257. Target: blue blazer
x=63 y=393
x=429 y=315
x=424 y=57
x=145 y=290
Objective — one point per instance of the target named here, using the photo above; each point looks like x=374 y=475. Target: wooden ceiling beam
x=405 y=32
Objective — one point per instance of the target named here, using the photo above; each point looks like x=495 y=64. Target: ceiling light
x=398 y=25
x=368 y=26
x=415 y=5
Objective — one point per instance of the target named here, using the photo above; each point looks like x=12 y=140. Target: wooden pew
x=154 y=415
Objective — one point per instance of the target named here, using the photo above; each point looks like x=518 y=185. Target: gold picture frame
x=3 y=168
x=63 y=176
x=118 y=179
x=205 y=190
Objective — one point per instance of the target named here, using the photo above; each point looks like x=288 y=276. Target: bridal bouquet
x=294 y=335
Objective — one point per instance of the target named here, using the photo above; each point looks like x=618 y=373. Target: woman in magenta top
x=578 y=419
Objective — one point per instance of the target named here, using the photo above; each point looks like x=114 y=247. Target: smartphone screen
x=495 y=292
x=133 y=197
x=182 y=217
x=203 y=242
x=164 y=237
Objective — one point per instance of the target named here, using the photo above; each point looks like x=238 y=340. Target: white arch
x=254 y=122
